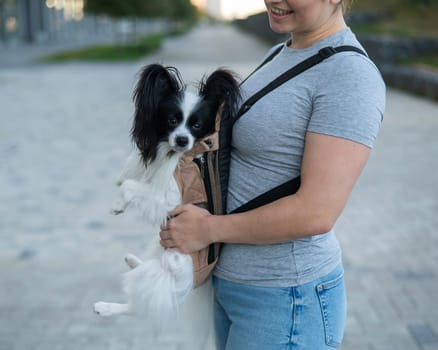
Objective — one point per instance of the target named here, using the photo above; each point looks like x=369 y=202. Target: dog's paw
x=118 y=207
x=116 y=212
x=132 y=261
x=103 y=309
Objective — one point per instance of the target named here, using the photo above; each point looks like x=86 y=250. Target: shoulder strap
x=290 y=187
x=322 y=54
x=267 y=59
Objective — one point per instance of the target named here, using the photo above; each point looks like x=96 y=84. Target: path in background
x=64 y=136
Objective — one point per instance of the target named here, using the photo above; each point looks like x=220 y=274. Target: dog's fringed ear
x=221 y=88
x=155 y=84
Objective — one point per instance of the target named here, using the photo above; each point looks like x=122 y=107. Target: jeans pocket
x=332 y=300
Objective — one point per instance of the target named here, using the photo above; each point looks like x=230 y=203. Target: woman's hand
x=186 y=230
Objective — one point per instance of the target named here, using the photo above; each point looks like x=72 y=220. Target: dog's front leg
x=132 y=191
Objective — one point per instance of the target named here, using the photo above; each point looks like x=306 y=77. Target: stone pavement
x=63 y=139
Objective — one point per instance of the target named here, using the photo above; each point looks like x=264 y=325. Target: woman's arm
x=330 y=168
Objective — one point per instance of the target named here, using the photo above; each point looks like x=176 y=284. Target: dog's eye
x=196 y=126
x=172 y=121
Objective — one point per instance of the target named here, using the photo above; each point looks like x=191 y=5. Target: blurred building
x=36 y=20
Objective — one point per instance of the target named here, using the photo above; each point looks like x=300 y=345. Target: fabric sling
x=290 y=187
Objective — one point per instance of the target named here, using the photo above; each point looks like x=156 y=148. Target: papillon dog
x=168 y=121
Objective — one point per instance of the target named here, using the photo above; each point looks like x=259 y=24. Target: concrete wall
x=387 y=52
x=386 y=49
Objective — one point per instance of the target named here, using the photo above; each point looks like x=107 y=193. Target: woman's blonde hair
x=346 y=5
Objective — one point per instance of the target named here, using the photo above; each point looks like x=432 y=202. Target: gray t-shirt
x=344 y=96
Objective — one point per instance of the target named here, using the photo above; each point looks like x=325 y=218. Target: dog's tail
x=157 y=287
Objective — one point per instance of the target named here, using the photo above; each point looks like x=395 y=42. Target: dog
x=168 y=121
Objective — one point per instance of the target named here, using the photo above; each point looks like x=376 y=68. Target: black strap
x=290 y=187
x=267 y=59
x=285 y=189
x=322 y=54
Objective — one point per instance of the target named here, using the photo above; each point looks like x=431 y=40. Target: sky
x=230 y=9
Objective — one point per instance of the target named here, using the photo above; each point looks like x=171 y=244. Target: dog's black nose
x=181 y=141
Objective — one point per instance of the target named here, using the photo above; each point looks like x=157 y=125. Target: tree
x=112 y=8
x=175 y=9
x=183 y=9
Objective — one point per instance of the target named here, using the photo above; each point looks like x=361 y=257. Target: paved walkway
x=63 y=138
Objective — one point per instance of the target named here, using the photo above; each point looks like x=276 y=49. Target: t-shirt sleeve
x=349 y=101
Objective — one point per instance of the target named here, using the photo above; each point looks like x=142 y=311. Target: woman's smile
x=280 y=13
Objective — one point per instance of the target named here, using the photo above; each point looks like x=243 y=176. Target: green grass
x=114 y=53
x=379 y=28
x=423 y=61
x=109 y=52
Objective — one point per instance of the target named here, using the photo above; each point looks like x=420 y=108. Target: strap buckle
x=326 y=52
x=244 y=108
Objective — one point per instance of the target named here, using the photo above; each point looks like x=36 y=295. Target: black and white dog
x=167 y=123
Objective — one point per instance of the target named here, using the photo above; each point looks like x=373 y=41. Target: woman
x=279 y=281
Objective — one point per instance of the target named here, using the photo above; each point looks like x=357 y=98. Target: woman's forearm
x=283 y=220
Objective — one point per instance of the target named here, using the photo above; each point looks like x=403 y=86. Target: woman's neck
x=301 y=40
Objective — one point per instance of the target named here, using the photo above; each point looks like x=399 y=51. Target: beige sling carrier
x=190 y=180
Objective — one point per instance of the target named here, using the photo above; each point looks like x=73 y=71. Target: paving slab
x=64 y=136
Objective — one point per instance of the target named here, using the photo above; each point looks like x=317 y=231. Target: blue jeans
x=310 y=316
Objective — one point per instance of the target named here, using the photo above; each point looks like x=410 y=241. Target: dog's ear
x=221 y=88
x=155 y=84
